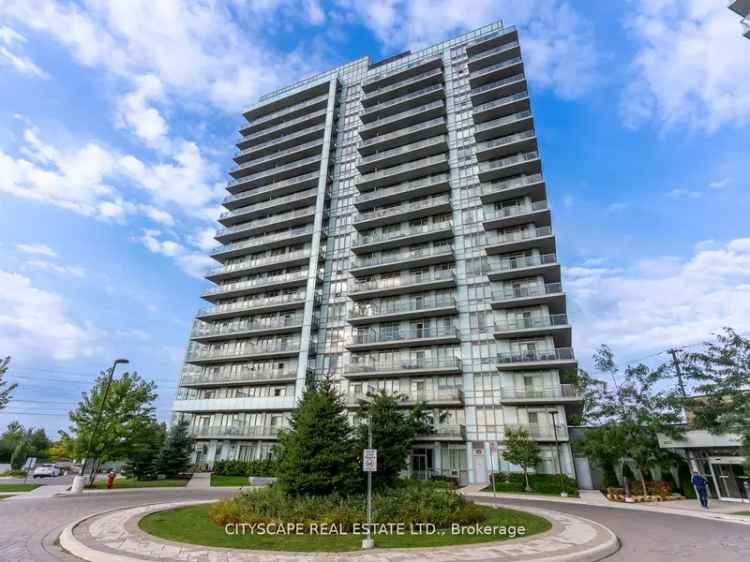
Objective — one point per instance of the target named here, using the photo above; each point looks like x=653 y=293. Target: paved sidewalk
x=46 y=491
x=200 y=480
x=115 y=536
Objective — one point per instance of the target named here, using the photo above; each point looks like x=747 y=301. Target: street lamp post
x=554 y=413
x=78 y=481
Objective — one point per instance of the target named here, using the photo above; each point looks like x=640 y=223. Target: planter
x=261 y=480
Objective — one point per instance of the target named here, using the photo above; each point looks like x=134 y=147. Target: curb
x=69 y=542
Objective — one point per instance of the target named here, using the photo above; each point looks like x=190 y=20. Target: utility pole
x=676 y=363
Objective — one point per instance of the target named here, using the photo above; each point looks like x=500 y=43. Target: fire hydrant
x=110 y=479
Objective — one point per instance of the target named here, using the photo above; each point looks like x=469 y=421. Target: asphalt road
x=29 y=528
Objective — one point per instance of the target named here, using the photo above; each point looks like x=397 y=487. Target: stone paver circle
x=114 y=536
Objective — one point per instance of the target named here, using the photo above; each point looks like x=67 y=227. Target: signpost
x=369 y=465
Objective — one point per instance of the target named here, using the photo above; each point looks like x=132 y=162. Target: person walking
x=701 y=488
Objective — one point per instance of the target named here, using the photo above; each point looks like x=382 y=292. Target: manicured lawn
x=218 y=480
x=128 y=483
x=541 y=484
x=191 y=525
x=6 y=497
x=17 y=487
x=742 y=513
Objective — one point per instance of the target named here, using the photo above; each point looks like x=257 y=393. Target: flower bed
x=658 y=491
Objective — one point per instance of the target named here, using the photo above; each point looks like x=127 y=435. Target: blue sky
x=116 y=127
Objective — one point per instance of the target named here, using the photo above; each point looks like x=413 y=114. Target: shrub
x=259 y=467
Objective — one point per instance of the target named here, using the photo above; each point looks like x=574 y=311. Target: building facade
x=742 y=9
x=387 y=225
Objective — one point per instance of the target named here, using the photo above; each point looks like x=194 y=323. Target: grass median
x=6 y=488
x=125 y=483
x=218 y=480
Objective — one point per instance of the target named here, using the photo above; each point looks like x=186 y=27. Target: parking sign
x=370 y=460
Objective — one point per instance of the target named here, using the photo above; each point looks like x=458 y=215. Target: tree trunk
x=526 y=477
x=643 y=480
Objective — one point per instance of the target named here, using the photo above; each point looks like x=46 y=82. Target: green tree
x=394 y=429
x=143 y=460
x=22 y=451
x=13 y=434
x=127 y=416
x=174 y=457
x=522 y=451
x=720 y=373
x=5 y=388
x=317 y=454
x=604 y=446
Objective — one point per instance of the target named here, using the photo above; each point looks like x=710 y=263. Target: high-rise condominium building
x=387 y=225
x=742 y=9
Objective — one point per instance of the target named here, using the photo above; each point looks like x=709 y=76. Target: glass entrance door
x=731 y=481
x=421 y=463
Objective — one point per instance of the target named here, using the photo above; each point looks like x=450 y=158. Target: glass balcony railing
x=427 y=332
x=514 y=210
x=377 y=139
x=266 y=221
x=400 y=234
x=499 y=83
x=510 y=293
x=501 y=102
x=366 y=310
x=405 y=149
x=275 y=155
x=499 y=66
x=250 y=304
x=408 y=166
x=402 y=115
x=227 y=329
x=237 y=431
x=509 y=161
x=286 y=111
x=402 y=187
x=281 y=346
x=227 y=376
x=539 y=392
x=260 y=262
x=270 y=203
x=402 y=281
x=401 y=84
x=520 y=323
x=376 y=365
x=266 y=281
x=445 y=431
x=451 y=394
x=396 y=101
x=509 y=264
x=370 y=261
x=506 y=140
x=511 y=183
x=519 y=235
x=258 y=241
x=497 y=50
x=279 y=139
x=531 y=356
x=270 y=186
x=279 y=169
x=539 y=431
x=501 y=121
x=285 y=124
x=403 y=208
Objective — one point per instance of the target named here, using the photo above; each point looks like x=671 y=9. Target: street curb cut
x=71 y=544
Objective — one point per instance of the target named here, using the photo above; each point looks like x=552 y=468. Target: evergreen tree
x=143 y=460
x=5 y=389
x=522 y=451
x=393 y=431
x=174 y=458
x=316 y=454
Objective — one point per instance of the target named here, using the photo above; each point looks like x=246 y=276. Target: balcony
x=421 y=307
x=557 y=394
x=420 y=131
x=269 y=161
x=243 y=194
x=278 y=143
x=521 y=163
x=540 y=237
x=549 y=294
x=555 y=325
x=367 y=265
x=233 y=378
x=421 y=187
x=558 y=358
x=490 y=111
x=292 y=111
x=259 y=265
x=303 y=198
x=449 y=396
x=373 y=95
x=403 y=119
x=259 y=285
x=527 y=266
x=264 y=242
x=236 y=432
x=236 y=404
x=540 y=431
x=285 y=128
x=523 y=142
x=271 y=222
x=279 y=173
x=509 y=124
x=493 y=56
x=403 y=172
x=498 y=89
x=267 y=304
x=373 y=367
x=531 y=185
x=401 y=154
x=411 y=235
x=401 y=103
x=518 y=214
x=445 y=433
x=220 y=331
x=280 y=348
x=440 y=279
x=403 y=212
x=403 y=338
x=495 y=72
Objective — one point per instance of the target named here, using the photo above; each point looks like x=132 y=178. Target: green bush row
x=416 y=502
x=260 y=467
x=540 y=483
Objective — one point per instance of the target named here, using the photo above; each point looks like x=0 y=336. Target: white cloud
x=688 y=68
x=63 y=270
x=558 y=43
x=661 y=302
x=34 y=323
x=617 y=207
x=37 y=249
x=679 y=193
x=157 y=215
x=314 y=12
x=10 y=38
x=719 y=184
x=134 y=112
x=204 y=239
x=193 y=263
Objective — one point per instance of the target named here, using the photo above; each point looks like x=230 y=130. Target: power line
x=65 y=415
